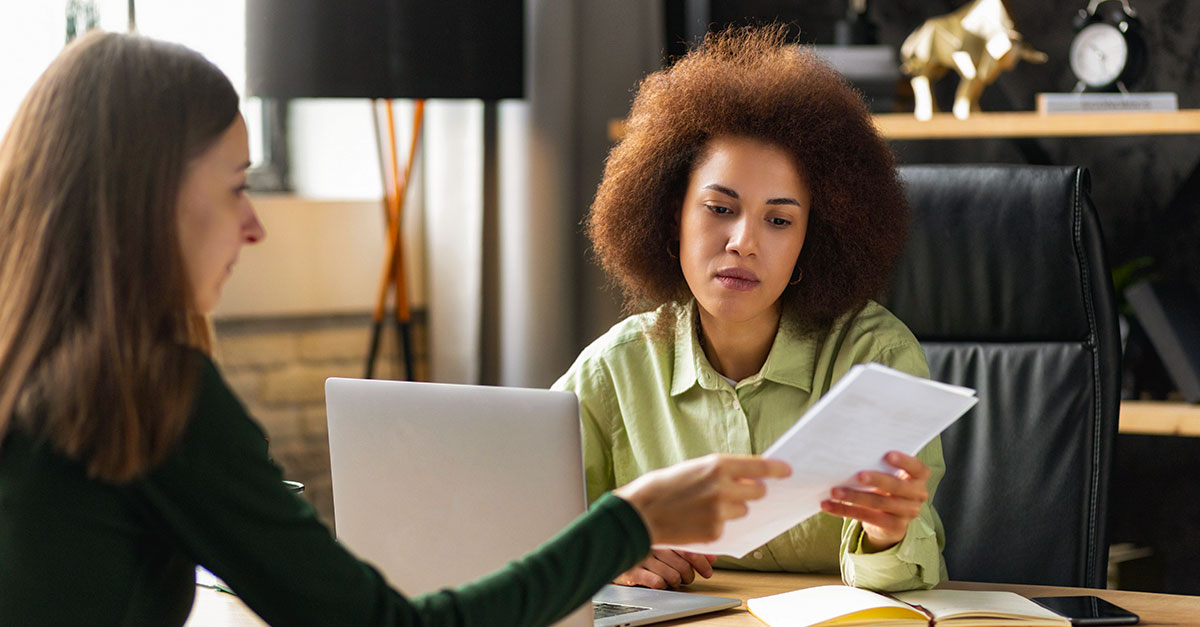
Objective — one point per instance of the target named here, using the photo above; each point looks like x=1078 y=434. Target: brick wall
x=278 y=367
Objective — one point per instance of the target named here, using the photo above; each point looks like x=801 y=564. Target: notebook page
x=822 y=604
x=962 y=603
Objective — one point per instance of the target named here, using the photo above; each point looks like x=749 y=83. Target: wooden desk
x=1154 y=609
x=983 y=124
x=217 y=609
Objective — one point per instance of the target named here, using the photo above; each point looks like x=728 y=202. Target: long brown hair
x=95 y=306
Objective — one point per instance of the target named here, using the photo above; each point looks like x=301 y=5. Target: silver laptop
x=438 y=484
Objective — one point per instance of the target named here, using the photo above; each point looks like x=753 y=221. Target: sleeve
x=916 y=561
x=595 y=392
x=223 y=500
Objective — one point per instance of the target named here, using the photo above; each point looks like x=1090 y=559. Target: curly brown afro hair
x=750 y=82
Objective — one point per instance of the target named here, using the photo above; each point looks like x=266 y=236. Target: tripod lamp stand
x=383 y=50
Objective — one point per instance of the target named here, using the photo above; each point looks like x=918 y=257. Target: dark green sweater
x=80 y=552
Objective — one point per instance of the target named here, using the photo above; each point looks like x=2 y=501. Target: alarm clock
x=1108 y=52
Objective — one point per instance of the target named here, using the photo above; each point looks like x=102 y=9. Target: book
x=871 y=410
x=845 y=606
x=1048 y=103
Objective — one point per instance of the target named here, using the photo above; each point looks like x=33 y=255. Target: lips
x=738 y=279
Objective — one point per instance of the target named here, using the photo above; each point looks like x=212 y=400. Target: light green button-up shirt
x=648 y=403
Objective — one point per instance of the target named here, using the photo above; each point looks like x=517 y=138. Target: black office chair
x=1005 y=283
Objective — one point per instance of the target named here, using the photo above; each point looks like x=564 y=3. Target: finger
x=678 y=562
x=889 y=504
x=883 y=483
x=639 y=576
x=730 y=510
x=750 y=467
x=699 y=562
x=747 y=489
x=669 y=575
x=866 y=516
x=912 y=465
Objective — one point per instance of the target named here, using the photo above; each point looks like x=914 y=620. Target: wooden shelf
x=1160 y=418
x=1032 y=124
x=1022 y=124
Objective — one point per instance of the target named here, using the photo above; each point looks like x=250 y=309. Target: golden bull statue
x=978 y=41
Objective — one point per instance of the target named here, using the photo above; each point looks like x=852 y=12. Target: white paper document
x=873 y=409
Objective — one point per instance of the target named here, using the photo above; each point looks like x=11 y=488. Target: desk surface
x=1154 y=609
x=217 y=609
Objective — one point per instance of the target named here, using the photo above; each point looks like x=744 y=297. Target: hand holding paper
x=887 y=502
x=873 y=409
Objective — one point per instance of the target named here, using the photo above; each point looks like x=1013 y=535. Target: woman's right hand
x=690 y=501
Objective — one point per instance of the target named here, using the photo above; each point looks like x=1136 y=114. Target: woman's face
x=215 y=216
x=741 y=229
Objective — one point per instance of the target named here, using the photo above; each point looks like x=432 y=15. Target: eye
x=718 y=209
x=779 y=221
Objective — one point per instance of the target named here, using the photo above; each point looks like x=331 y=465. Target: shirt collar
x=790 y=361
x=792 y=357
x=688 y=353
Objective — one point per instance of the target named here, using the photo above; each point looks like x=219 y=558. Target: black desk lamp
x=385 y=49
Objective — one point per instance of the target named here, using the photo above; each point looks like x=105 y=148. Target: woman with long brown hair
x=125 y=459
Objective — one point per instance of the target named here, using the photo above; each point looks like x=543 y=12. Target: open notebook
x=845 y=606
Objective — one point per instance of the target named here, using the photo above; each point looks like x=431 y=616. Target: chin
x=734 y=309
x=725 y=312
x=207 y=304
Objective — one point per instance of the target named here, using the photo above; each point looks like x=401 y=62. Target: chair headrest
x=998 y=253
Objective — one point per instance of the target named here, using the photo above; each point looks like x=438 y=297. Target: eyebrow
x=722 y=189
x=732 y=194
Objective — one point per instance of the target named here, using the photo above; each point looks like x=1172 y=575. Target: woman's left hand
x=886 y=503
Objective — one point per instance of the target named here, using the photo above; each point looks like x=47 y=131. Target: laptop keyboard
x=604 y=610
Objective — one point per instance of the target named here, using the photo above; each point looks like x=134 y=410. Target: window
x=33 y=33
x=333 y=146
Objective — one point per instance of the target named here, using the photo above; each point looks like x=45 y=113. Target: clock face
x=1099 y=54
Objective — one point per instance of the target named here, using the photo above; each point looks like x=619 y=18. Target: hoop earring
x=675 y=253
x=798 y=274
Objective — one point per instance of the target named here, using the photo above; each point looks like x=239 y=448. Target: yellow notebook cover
x=844 y=606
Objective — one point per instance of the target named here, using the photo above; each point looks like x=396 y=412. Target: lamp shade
x=385 y=48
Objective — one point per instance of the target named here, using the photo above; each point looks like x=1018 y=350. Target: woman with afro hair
x=750 y=214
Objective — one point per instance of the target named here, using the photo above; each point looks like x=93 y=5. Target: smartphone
x=1088 y=610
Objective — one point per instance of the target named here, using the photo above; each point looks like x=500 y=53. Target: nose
x=743 y=240
x=252 y=230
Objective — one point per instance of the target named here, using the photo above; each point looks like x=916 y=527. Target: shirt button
x=758 y=555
